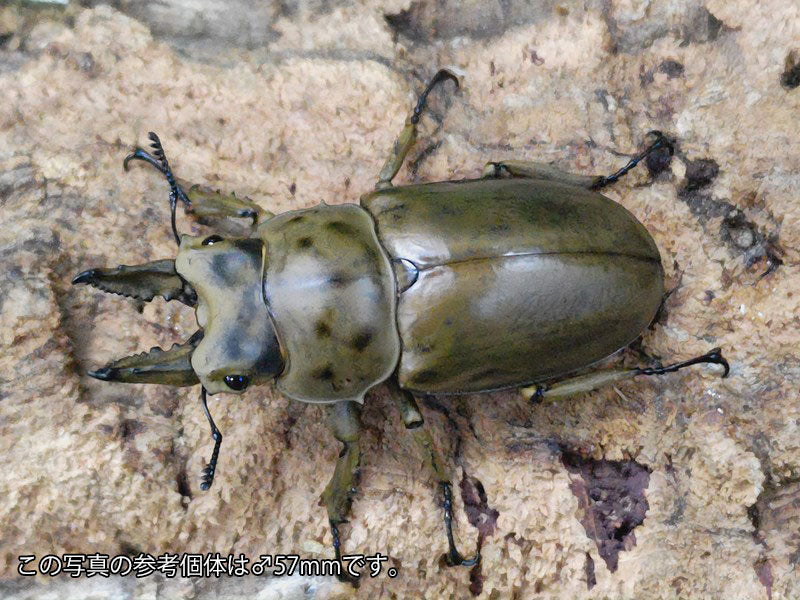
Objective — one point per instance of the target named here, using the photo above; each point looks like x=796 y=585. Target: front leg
x=199 y=200
x=204 y=202
x=345 y=423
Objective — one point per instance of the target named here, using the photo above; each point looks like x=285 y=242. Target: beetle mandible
x=515 y=279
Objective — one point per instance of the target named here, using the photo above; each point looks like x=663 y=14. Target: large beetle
x=520 y=277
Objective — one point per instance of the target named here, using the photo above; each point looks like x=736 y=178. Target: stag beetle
x=522 y=276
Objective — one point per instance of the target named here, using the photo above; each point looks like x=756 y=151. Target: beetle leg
x=168 y=367
x=338 y=494
x=534 y=170
x=591 y=381
x=408 y=135
x=414 y=423
x=143 y=282
x=660 y=141
x=200 y=201
x=207 y=478
x=206 y=203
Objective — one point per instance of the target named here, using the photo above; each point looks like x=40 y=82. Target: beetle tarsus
x=714 y=356
x=343 y=575
x=661 y=141
x=538 y=393
x=207 y=477
x=440 y=76
x=454 y=557
x=143 y=155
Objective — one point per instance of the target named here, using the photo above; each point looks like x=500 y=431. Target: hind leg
x=596 y=379
x=534 y=170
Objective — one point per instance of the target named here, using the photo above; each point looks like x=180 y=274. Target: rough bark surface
x=300 y=102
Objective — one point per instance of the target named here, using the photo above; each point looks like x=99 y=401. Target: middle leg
x=345 y=422
x=405 y=141
x=414 y=423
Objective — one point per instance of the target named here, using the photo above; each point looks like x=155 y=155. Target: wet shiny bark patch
x=612 y=501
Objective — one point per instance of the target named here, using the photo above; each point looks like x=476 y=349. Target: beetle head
x=236 y=345
x=239 y=347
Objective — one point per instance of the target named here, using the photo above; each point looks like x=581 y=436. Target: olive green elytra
x=511 y=280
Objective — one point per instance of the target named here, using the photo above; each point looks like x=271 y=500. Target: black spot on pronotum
x=297 y=219
x=339 y=279
x=322 y=329
x=232 y=348
x=305 y=242
x=362 y=339
x=323 y=373
x=221 y=268
x=341 y=227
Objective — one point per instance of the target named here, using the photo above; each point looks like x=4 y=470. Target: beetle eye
x=237 y=382
x=211 y=240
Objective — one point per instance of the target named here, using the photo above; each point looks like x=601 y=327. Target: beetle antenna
x=159 y=160
x=211 y=467
x=158 y=150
